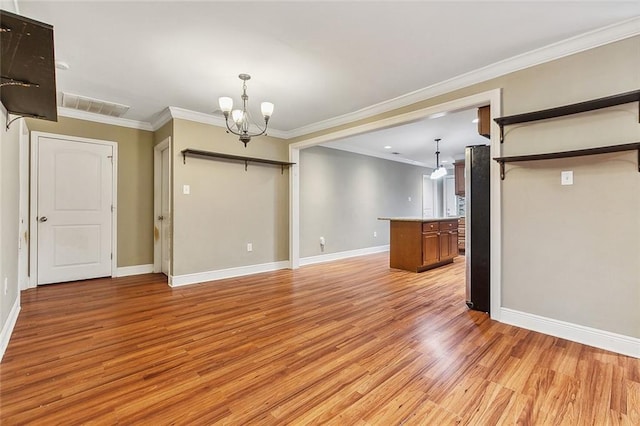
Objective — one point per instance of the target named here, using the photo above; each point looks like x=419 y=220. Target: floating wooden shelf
x=567 y=154
x=27 y=68
x=609 y=101
x=219 y=156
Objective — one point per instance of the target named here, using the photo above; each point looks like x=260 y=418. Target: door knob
x=43 y=219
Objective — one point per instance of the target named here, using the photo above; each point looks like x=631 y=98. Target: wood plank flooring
x=344 y=343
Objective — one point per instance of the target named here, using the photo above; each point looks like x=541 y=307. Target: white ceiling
x=315 y=60
x=414 y=143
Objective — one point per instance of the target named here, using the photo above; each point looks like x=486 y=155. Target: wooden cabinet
x=430 y=248
x=417 y=246
x=484 y=121
x=448 y=239
x=459 y=177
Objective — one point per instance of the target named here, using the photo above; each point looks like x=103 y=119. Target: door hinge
x=111 y=256
x=111 y=208
x=110 y=157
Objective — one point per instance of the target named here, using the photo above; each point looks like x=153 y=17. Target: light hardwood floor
x=348 y=342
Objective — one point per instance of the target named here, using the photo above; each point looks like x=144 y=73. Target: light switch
x=566 y=177
x=186 y=189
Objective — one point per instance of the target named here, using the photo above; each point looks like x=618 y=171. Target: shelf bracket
x=502 y=170
x=501 y=133
x=9 y=122
x=245 y=165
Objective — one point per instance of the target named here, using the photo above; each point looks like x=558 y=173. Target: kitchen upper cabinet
x=484 y=121
x=459 y=177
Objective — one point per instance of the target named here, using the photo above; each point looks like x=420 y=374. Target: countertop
x=419 y=219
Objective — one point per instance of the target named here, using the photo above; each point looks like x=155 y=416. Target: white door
x=165 y=212
x=428 y=197
x=450 y=201
x=74 y=217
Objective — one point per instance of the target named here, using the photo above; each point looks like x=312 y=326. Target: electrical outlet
x=322 y=241
x=186 y=189
x=409 y=199
x=249 y=246
x=375 y=234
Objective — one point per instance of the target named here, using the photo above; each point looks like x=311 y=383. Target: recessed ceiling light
x=475 y=120
x=387 y=147
x=61 y=65
x=444 y=161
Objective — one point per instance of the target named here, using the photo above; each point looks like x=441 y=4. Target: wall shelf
x=567 y=154
x=27 y=68
x=219 y=156
x=594 y=104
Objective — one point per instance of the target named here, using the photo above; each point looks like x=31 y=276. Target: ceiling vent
x=95 y=106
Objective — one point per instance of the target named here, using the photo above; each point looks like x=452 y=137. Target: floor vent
x=95 y=106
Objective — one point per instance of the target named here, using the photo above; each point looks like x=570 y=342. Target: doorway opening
x=162 y=225
x=491 y=98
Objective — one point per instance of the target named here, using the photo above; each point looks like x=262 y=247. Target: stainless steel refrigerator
x=477 y=223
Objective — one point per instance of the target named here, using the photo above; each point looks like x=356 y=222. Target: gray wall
x=342 y=194
x=9 y=215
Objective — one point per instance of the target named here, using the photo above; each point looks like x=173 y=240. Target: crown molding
x=570 y=46
x=104 y=119
x=200 y=117
x=162 y=118
x=580 y=43
x=388 y=157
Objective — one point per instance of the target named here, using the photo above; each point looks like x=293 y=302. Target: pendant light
x=439 y=171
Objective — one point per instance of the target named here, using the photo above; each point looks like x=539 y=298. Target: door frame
x=157 y=198
x=491 y=97
x=23 y=209
x=33 y=222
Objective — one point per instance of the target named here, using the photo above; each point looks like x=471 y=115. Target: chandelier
x=241 y=117
x=439 y=171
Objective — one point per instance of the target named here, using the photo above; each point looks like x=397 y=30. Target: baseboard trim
x=602 y=339
x=220 y=274
x=7 y=330
x=342 y=255
x=126 y=271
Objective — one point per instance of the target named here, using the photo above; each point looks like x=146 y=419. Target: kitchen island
x=418 y=244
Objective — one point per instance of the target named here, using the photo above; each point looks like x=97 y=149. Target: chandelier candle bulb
x=267 y=109
x=238 y=117
x=226 y=104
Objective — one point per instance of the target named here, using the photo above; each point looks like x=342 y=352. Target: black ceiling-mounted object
x=28 y=85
